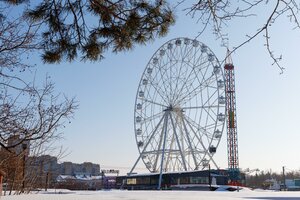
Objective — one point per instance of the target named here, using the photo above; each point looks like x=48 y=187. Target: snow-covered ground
x=156 y=195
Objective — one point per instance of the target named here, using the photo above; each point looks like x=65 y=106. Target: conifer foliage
x=87 y=28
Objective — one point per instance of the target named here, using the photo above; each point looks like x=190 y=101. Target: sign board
x=110 y=171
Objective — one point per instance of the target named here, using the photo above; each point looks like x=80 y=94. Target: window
x=184 y=180
x=131 y=181
x=199 y=180
x=143 y=180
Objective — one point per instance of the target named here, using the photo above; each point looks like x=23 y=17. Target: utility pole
x=283 y=175
x=102 y=174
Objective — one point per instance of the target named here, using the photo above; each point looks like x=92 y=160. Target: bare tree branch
x=217 y=13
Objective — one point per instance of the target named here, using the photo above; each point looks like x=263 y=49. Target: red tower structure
x=232 y=139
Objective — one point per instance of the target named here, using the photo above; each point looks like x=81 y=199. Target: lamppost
x=209 y=177
x=102 y=174
x=24 y=146
x=283 y=176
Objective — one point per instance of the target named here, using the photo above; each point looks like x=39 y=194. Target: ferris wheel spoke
x=154 y=82
x=170 y=54
x=164 y=146
x=189 y=142
x=206 y=150
x=194 y=93
x=147 y=143
x=188 y=52
x=164 y=84
x=196 y=137
x=203 y=82
x=200 y=66
x=208 y=125
x=204 y=103
x=178 y=143
x=185 y=82
x=168 y=76
x=184 y=138
x=200 y=128
x=150 y=118
x=183 y=55
x=153 y=102
x=208 y=114
x=153 y=152
x=159 y=92
x=158 y=150
x=148 y=139
x=179 y=76
x=202 y=85
x=199 y=107
x=171 y=147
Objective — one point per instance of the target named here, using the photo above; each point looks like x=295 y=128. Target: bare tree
x=17 y=39
x=217 y=13
x=31 y=116
x=27 y=111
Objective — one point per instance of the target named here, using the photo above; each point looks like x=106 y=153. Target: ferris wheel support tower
x=232 y=138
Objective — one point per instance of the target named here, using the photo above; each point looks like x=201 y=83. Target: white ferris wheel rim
x=179 y=108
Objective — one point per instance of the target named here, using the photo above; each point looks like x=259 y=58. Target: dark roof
x=214 y=172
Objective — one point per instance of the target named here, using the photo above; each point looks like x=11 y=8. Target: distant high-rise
x=20 y=147
x=86 y=168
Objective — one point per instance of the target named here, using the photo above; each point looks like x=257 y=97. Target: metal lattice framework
x=180 y=107
x=232 y=140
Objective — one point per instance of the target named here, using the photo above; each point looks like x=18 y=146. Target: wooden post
x=24 y=146
x=2 y=174
x=47 y=180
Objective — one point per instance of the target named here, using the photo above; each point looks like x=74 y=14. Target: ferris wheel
x=180 y=107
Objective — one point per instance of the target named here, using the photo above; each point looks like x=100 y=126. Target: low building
x=191 y=180
x=271 y=184
x=292 y=184
x=79 y=182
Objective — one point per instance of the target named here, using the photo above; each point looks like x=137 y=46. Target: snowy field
x=157 y=195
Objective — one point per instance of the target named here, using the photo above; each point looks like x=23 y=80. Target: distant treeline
x=258 y=180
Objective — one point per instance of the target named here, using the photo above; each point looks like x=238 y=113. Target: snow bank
x=153 y=195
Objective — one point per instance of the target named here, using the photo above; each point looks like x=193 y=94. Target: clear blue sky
x=267 y=103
